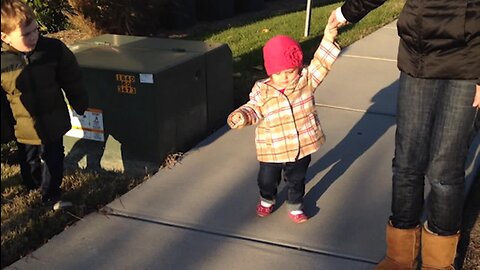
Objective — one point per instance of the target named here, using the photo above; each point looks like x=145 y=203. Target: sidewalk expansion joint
x=369 y=57
x=353 y=109
x=113 y=212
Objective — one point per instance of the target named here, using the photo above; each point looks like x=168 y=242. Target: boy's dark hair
x=15 y=13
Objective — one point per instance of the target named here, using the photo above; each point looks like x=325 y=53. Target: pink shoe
x=263 y=211
x=298 y=218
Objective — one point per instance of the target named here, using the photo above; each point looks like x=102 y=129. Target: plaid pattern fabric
x=288 y=125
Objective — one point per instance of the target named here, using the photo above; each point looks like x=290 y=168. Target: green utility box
x=155 y=96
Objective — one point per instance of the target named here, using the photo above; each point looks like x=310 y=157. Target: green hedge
x=51 y=14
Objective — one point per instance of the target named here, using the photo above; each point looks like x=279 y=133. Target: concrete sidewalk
x=201 y=213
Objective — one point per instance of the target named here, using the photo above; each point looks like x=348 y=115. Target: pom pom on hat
x=280 y=53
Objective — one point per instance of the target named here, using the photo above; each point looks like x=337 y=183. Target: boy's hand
x=331 y=31
x=236 y=120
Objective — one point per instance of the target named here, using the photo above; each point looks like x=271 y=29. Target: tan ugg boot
x=403 y=246
x=438 y=252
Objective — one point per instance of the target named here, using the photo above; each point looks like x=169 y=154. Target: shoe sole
x=298 y=221
x=262 y=214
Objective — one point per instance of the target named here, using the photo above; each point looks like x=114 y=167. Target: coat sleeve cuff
x=339 y=15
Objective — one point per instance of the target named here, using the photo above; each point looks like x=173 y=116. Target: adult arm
x=354 y=10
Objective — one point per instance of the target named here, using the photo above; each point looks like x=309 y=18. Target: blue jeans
x=269 y=177
x=41 y=167
x=435 y=122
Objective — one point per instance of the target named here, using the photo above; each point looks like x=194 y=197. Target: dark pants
x=42 y=166
x=270 y=175
x=435 y=123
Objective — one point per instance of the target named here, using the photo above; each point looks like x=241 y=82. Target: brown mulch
x=70 y=36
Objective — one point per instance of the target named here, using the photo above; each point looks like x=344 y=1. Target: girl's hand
x=236 y=120
x=331 y=31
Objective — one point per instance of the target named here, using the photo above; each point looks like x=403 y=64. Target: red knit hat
x=280 y=53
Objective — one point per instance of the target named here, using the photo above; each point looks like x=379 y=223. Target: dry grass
x=27 y=224
x=171 y=160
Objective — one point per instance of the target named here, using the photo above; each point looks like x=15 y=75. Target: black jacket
x=33 y=84
x=439 y=39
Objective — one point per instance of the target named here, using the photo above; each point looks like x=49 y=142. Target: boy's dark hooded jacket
x=33 y=84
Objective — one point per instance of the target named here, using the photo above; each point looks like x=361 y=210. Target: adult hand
x=476 y=100
x=334 y=19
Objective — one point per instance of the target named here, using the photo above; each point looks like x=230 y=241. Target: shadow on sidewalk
x=363 y=135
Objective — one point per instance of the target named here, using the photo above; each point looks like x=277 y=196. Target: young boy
x=288 y=130
x=35 y=69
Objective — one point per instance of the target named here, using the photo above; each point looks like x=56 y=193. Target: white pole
x=308 y=13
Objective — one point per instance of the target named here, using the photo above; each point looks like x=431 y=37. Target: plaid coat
x=288 y=125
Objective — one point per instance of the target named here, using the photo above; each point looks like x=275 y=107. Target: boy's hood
x=5 y=47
